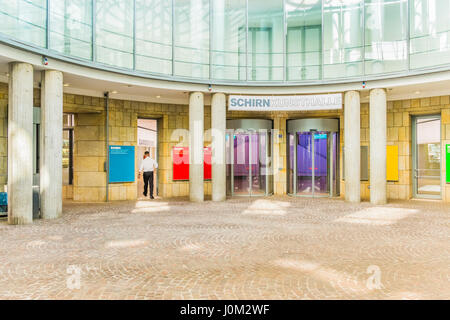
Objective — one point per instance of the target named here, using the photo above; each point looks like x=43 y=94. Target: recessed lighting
x=157 y=97
x=114 y=92
x=417 y=92
x=66 y=84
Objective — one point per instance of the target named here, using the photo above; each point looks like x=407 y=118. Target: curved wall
x=272 y=42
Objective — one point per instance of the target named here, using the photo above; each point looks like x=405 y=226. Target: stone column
x=20 y=143
x=218 y=126
x=377 y=115
x=352 y=146
x=51 y=144
x=196 y=119
x=279 y=163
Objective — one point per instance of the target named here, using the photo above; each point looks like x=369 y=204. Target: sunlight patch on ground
x=265 y=207
x=331 y=276
x=407 y=295
x=192 y=247
x=126 y=243
x=36 y=243
x=149 y=206
x=378 y=216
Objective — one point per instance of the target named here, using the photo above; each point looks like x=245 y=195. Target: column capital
x=377 y=90
x=198 y=93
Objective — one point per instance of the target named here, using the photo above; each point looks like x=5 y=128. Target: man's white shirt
x=148 y=164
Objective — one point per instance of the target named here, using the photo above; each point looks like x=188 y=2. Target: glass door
x=248 y=165
x=427 y=157
x=312 y=163
x=241 y=164
x=304 y=164
x=258 y=163
x=321 y=161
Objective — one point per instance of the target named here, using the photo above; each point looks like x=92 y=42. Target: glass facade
x=153 y=36
x=232 y=41
x=191 y=38
x=386 y=32
x=70 y=27
x=304 y=40
x=228 y=44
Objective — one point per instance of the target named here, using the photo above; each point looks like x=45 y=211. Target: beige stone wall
x=90 y=144
x=399 y=114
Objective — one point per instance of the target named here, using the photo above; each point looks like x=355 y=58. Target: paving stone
x=261 y=248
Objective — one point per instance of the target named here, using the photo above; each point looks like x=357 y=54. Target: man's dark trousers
x=148 y=179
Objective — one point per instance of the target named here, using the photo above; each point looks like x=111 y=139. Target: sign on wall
x=180 y=156
x=285 y=103
x=121 y=164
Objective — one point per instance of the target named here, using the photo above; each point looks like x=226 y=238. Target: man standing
x=148 y=165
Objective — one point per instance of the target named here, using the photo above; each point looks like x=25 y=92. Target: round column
x=377 y=114
x=352 y=146
x=218 y=127
x=196 y=125
x=20 y=143
x=51 y=144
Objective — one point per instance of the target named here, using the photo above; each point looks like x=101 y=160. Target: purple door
x=321 y=179
x=309 y=162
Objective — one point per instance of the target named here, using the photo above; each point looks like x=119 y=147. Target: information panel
x=180 y=156
x=447 y=163
x=392 y=163
x=121 y=164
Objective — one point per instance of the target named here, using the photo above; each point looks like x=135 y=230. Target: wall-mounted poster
x=180 y=157
x=121 y=164
x=447 y=162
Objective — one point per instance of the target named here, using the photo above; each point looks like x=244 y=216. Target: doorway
x=249 y=152
x=427 y=156
x=147 y=135
x=313 y=157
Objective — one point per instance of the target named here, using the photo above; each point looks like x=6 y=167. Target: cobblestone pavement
x=271 y=248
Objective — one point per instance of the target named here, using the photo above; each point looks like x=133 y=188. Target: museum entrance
x=312 y=149
x=249 y=152
x=147 y=135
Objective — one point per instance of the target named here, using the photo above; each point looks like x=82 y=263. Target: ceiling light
x=114 y=92
x=417 y=92
x=157 y=97
x=66 y=84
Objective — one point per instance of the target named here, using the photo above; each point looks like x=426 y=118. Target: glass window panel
x=228 y=40
x=304 y=39
x=191 y=28
x=71 y=27
x=114 y=32
x=343 y=38
x=154 y=36
x=265 y=40
x=428 y=156
x=386 y=34
x=24 y=20
x=430 y=33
